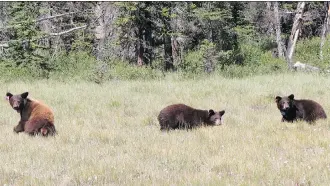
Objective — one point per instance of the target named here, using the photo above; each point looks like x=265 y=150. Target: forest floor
x=108 y=134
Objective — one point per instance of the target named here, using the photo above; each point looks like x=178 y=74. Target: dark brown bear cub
x=36 y=117
x=180 y=116
x=292 y=109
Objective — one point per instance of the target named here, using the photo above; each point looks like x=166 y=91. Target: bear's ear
x=278 y=98
x=222 y=112
x=291 y=97
x=211 y=112
x=8 y=95
x=25 y=95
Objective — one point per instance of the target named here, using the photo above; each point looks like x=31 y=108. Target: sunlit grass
x=109 y=134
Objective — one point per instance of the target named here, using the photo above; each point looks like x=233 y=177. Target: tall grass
x=108 y=134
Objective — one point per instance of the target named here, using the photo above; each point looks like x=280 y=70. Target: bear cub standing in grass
x=307 y=110
x=180 y=116
x=36 y=117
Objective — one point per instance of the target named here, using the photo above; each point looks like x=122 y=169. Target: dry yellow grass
x=109 y=135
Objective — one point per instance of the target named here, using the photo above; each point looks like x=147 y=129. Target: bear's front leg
x=19 y=127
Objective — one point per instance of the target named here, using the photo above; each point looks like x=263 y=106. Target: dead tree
x=269 y=18
x=99 y=29
x=278 y=30
x=325 y=28
x=294 y=33
x=45 y=25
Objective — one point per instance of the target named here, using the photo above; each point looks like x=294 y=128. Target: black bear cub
x=292 y=109
x=180 y=116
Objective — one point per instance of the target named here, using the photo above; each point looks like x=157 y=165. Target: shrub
x=75 y=65
x=10 y=72
x=204 y=59
x=308 y=50
x=126 y=71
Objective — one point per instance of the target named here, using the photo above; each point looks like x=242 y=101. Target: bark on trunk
x=148 y=39
x=175 y=25
x=175 y=50
x=140 y=48
x=294 y=33
x=99 y=30
x=46 y=25
x=278 y=30
x=270 y=27
x=325 y=29
x=168 y=55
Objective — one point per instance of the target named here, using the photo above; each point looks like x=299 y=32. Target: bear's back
x=39 y=110
x=175 y=109
x=172 y=111
x=311 y=110
x=174 y=115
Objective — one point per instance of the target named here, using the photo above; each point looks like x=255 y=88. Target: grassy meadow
x=108 y=134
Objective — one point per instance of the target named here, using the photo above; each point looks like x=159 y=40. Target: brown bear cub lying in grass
x=36 y=117
x=292 y=109
x=180 y=116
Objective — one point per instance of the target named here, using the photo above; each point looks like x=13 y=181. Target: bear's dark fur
x=36 y=117
x=292 y=109
x=180 y=116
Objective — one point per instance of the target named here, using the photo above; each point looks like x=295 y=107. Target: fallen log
x=301 y=66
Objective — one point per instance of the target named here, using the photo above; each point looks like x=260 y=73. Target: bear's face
x=284 y=103
x=215 y=117
x=17 y=101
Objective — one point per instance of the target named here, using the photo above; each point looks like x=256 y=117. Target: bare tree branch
x=55 y=16
x=68 y=31
x=46 y=18
x=6 y=45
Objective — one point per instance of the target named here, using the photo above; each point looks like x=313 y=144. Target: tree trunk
x=4 y=36
x=4 y=20
x=175 y=25
x=106 y=31
x=140 y=48
x=209 y=22
x=270 y=28
x=46 y=25
x=294 y=33
x=148 y=39
x=99 y=31
x=176 y=51
x=325 y=28
x=278 y=30
x=168 y=55
x=268 y=5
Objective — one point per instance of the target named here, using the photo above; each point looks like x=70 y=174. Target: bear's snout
x=285 y=106
x=218 y=122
